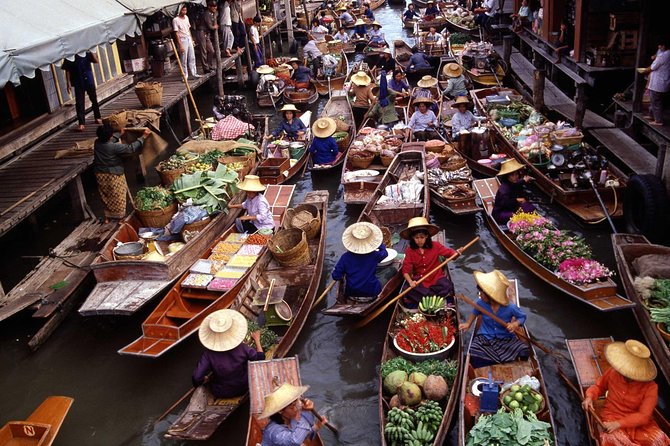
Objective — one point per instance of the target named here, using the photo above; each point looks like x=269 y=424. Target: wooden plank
x=632 y=154
x=112 y=297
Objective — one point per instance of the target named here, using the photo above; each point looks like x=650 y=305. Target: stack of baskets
x=150 y=94
x=289 y=247
x=305 y=217
x=454 y=163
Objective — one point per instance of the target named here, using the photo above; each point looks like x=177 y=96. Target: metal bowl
x=129 y=249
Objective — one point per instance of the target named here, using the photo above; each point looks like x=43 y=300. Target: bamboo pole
x=188 y=87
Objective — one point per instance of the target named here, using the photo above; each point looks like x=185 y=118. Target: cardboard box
x=135 y=65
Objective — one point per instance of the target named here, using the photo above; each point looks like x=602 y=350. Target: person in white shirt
x=342 y=36
x=318 y=31
x=486 y=12
x=226 y=24
x=255 y=37
x=182 y=28
x=659 y=82
x=312 y=53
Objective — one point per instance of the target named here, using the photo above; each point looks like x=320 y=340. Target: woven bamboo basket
x=386 y=236
x=118 y=120
x=169 y=176
x=289 y=247
x=341 y=126
x=305 y=217
x=246 y=161
x=150 y=94
x=157 y=218
x=567 y=140
x=190 y=230
x=386 y=160
x=435 y=146
x=361 y=163
x=454 y=163
x=343 y=143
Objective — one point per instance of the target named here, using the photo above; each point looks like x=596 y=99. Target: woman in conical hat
x=421 y=257
x=359 y=29
x=324 y=148
x=290 y=125
x=456 y=82
x=632 y=396
x=510 y=197
x=259 y=214
x=286 y=419
x=463 y=119
x=495 y=343
x=358 y=265
x=363 y=98
x=226 y=356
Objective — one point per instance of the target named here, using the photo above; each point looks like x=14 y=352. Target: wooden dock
x=30 y=179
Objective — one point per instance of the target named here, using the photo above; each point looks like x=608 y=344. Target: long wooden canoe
x=264 y=377
x=297 y=286
x=393 y=218
x=588 y=359
x=455 y=354
x=182 y=310
x=338 y=106
x=457 y=206
x=581 y=201
x=302 y=99
x=325 y=86
x=484 y=76
x=439 y=22
x=295 y=167
x=41 y=427
x=507 y=373
x=602 y=295
x=627 y=248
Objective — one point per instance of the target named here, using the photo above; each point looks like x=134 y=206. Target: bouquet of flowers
x=580 y=271
x=422 y=336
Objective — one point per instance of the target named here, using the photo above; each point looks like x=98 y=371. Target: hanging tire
x=646 y=208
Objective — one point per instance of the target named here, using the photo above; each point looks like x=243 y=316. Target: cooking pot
x=158 y=50
x=129 y=250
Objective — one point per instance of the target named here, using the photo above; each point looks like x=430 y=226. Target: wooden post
x=289 y=22
x=186 y=115
x=660 y=160
x=80 y=207
x=538 y=89
x=642 y=56
x=580 y=105
x=238 y=68
x=219 y=67
x=2 y=291
x=304 y=5
x=507 y=50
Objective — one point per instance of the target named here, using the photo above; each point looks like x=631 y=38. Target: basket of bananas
x=431 y=306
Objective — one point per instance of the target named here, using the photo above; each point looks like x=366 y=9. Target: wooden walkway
x=635 y=157
x=30 y=179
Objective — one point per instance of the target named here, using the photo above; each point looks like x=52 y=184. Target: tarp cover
x=36 y=35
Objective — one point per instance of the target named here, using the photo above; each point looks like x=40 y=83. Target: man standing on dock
x=182 y=28
x=207 y=25
x=239 y=32
x=659 y=82
x=226 y=27
x=79 y=75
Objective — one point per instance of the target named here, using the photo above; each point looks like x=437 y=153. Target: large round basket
x=289 y=247
x=118 y=120
x=305 y=217
x=158 y=218
x=454 y=163
x=150 y=94
x=361 y=162
x=341 y=126
x=168 y=176
x=343 y=143
x=386 y=160
x=190 y=230
x=435 y=145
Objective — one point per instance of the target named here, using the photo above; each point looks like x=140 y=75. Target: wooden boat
x=297 y=286
x=627 y=248
x=508 y=372
x=393 y=219
x=430 y=48
x=580 y=200
x=480 y=63
x=124 y=286
x=439 y=22
x=338 y=106
x=402 y=54
x=264 y=377
x=41 y=427
x=601 y=295
x=436 y=96
x=588 y=359
x=373 y=53
x=182 y=310
x=280 y=170
x=455 y=354
x=301 y=99
x=265 y=99
x=458 y=28
x=457 y=205
x=325 y=85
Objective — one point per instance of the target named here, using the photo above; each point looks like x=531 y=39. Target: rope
x=616 y=206
x=174 y=135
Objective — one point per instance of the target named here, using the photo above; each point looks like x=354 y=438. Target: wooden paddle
x=328 y=288
x=574 y=388
x=180 y=400
x=376 y=313
x=518 y=331
x=325 y=422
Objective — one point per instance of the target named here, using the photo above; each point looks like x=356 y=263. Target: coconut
x=435 y=388
x=409 y=394
x=394 y=380
x=417 y=378
x=395 y=402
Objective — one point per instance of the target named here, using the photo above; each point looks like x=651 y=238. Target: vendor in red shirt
x=631 y=397
x=421 y=257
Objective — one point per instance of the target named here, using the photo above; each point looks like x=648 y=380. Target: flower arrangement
x=422 y=336
x=581 y=271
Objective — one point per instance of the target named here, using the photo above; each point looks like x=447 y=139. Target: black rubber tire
x=646 y=208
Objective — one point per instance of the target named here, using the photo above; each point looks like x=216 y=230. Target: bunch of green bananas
x=431 y=304
x=400 y=423
x=421 y=436
x=430 y=413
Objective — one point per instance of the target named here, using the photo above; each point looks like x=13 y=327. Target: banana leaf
x=210 y=190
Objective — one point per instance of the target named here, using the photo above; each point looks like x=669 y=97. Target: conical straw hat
x=362 y=238
x=324 y=127
x=632 y=359
x=361 y=79
x=494 y=284
x=251 y=183
x=223 y=330
x=427 y=81
x=460 y=100
x=359 y=22
x=509 y=166
x=452 y=70
x=289 y=107
x=376 y=23
x=417 y=223
x=265 y=69
x=280 y=398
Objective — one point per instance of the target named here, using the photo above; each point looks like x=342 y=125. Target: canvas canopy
x=38 y=34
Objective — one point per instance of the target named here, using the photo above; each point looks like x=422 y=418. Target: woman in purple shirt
x=509 y=198
x=259 y=214
x=495 y=343
x=223 y=365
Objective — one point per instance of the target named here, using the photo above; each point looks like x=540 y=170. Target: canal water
x=118 y=398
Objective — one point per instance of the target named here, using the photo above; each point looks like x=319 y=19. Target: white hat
x=251 y=183
x=280 y=398
x=362 y=238
x=223 y=330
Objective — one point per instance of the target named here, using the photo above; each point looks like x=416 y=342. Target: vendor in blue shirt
x=431 y=11
x=293 y=127
x=358 y=266
x=367 y=12
x=495 y=343
x=302 y=75
x=410 y=13
x=359 y=29
x=324 y=148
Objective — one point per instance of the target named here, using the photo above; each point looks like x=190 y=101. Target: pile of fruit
x=524 y=398
x=198 y=166
x=414 y=427
x=173 y=163
x=431 y=304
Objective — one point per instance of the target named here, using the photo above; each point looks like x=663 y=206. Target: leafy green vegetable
x=445 y=369
x=210 y=190
x=397 y=363
x=210 y=157
x=268 y=337
x=509 y=429
x=153 y=198
x=459 y=38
